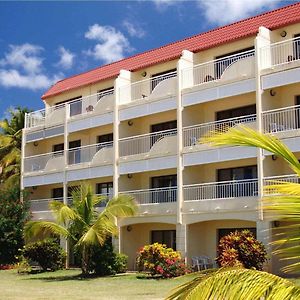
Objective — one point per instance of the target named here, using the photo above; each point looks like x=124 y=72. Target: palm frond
x=63 y=213
x=42 y=229
x=232 y=284
x=245 y=136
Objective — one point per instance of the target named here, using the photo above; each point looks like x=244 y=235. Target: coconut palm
x=10 y=145
x=81 y=223
x=281 y=202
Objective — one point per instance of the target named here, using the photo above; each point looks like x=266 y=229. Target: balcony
x=92 y=155
x=192 y=134
x=281 y=55
x=217 y=196
x=149 y=145
x=154 y=88
x=49 y=162
x=274 y=180
x=285 y=122
x=96 y=104
x=220 y=71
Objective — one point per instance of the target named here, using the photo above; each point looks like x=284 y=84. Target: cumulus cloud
x=226 y=11
x=111 y=43
x=133 y=29
x=66 y=58
x=22 y=67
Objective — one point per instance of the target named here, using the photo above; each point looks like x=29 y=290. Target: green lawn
x=64 y=285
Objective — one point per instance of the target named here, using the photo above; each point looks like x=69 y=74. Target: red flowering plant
x=158 y=260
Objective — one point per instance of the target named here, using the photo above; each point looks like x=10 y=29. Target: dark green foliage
x=47 y=253
x=240 y=248
x=13 y=215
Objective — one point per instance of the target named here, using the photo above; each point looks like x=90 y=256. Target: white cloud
x=133 y=29
x=112 y=44
x=165 y=3
x=66 y=58
x=22 y=67
x=227 y=11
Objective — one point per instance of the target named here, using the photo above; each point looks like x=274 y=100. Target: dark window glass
x=296 y=49
x=160 y=196
x=74 y=155
x=236 y=112
x=159 y=77
x=57 y=193
x=58 y=150
x=164 y=126
x=105 y=138
x=104 y=188
x=167 y=237
x=75 y=106
x=105 y=92
x=221 y=65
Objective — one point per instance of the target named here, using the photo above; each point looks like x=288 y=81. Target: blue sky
x=41 y=42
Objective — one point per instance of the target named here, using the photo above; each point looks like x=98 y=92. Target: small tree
x=13 y=215
x=241 y=248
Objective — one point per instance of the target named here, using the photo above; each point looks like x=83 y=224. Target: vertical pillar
x=261 y=42
x=22 y=158
x=184 y=63
x=122 y=94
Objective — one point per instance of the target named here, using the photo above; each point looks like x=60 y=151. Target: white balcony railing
x=89 y=154
x=50 y=116
x=97 y=103
x=149 y=89
x=44 y=162
x=231 y=68
x=282 y=119
x=274 y=180
x=193 y=134
x=42 y=205
x=151 y=142
x=221 y=190
x=154 y=196
x=281 y=53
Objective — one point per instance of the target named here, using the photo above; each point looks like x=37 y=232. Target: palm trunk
x=84 y=260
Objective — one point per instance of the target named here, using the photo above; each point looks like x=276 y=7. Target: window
x=167 y=237
x=58 y=150
x=74 y=155
x=57 y=193
x=104 y=188
x=221 y=65
x=166 y=195
x=297 y=112
x=105 y=138
x=159 y=77
x=105 y=92
x=240 y=173
x=164 y=126
x=296 y=50
x=236 y=112
x=75 y=106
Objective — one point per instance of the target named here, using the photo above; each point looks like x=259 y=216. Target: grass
x=67 y=284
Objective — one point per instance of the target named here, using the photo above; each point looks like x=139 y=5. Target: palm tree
x=10 y=146
x=81 y=223
x=281 y=202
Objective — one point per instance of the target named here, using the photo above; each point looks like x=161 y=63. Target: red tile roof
x=248 y=27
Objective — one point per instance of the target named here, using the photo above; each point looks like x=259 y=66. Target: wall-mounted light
x=130 y=123
x=272 y=92
x=283 y=33
x=129 y=228
x=35 y=144
x=144 y=74
x=274 y=157
x=129 y=176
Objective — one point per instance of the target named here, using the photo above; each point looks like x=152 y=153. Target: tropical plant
x=281 y=202
x=14 y=213
x=10 y=146
x=236 y=283
x=241 y=248
x=157 y=259
x=47 y=253
x=80 y=223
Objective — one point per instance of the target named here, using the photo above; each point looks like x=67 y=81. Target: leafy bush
x=47 y=253
x=157 y=259
x=104 y=261
x=240 y=248
x=13 y=215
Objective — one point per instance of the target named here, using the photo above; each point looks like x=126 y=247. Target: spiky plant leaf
x=63 y=213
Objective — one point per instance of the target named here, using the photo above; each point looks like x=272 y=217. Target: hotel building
x=133 y=127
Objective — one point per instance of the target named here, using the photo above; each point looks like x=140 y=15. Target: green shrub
x=104 y=261
x=240 y=248
x=157 y=259
x=47 y=253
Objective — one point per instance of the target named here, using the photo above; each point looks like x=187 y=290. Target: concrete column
x=181 y=240
x=122 y=95
x=262 y=40
x=264 y=234
x=22 y=158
